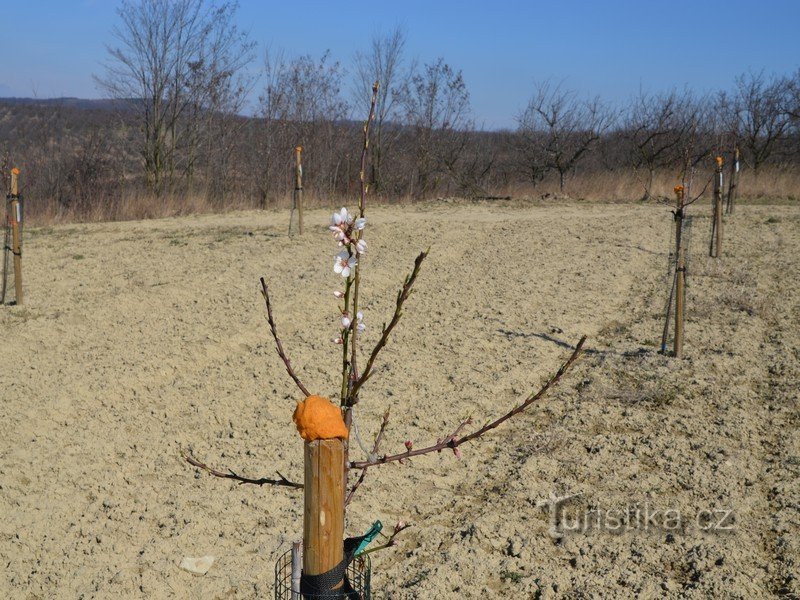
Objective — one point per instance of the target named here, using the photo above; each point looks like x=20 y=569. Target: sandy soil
x=139 y=340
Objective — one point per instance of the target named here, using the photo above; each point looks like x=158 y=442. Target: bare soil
x=140 y=340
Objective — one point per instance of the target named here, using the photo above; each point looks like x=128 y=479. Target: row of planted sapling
x=683 y=199
x=334 y=469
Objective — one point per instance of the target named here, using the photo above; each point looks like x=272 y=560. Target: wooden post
x=16 y=234
x=297 y=196
x=6 y=248
x=680 y=274
x=323 y=517
x=734 y=182
x=715 y=247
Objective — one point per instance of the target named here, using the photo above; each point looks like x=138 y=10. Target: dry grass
x=628 y=186
x=137 y=205
x=770 y=185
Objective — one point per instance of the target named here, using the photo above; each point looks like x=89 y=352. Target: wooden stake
x=680 y=275
x=6 y=249
x=734 y=182
x=297 y=197
x=665 y=331
x=323 y=517
x=715 y=247
x=16 y=234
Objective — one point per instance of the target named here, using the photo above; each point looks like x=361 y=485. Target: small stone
x=197 y=566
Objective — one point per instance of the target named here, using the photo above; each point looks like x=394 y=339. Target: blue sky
x=607 y=47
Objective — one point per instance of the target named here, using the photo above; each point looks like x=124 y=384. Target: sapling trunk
x=297 y=569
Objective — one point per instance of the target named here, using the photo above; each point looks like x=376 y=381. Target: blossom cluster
x=348 y=233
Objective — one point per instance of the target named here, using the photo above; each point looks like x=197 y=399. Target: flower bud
x=338 y=294
x=338 y=340
x=409 y=445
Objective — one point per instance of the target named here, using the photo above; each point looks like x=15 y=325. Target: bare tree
x=658 y=128
x=301 y=104
x=436 y=110
x=383 y=63
x=172 y=57
x=793 y=97
x=763 y=120
x=557 y=129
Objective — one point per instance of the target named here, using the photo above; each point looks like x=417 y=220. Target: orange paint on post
x=318 y=419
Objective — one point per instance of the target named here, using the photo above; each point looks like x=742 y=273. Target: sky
x=610 y=48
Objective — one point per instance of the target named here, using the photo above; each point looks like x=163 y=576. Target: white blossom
x=361 y=246
x=361 y=222
x=343 y=263
x=341 y=219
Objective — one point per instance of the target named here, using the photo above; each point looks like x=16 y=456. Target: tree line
x=180 y=72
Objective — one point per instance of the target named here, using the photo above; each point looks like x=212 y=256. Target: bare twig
x=353 y=489
x=281 y=482
x=375 y=448
x=357 y=277
x=402 y=296
x=390 y=539
x=452 y=441
x=278 y=345
x=700 y=195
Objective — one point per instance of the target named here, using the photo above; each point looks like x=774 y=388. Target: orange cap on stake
x=15 y=171
x=318 y=419
x=719 y=160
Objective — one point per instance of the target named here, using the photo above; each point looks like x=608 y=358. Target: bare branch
x=402 y=296
x=278 y=345
x=281 y=482
x=452 y=441
x=703 y=191
x=375 y=448
x=391 y=540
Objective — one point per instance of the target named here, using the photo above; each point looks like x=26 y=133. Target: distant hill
x=68 y=102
